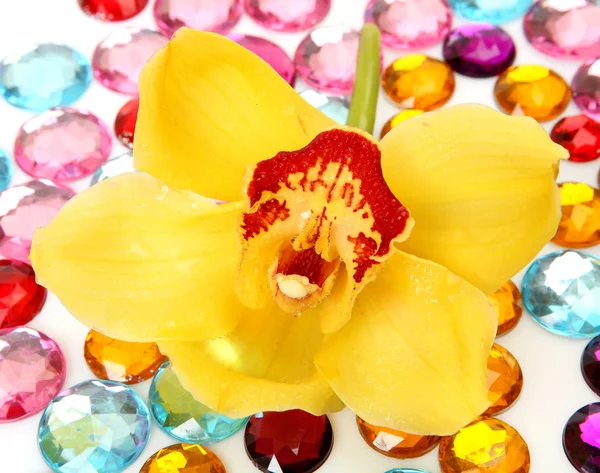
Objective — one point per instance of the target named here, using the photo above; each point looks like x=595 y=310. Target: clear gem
x=43 y=76
x=590 y=365
x=21 y=297
x=32 y=371
x=335 y=107
x=112 y=10
x=492 y=11
x=119 y=58
x=94 y=427
x=284 y=15
x=586 y=88
x=113 y=167
x=269 y=52
x=182 y=458
x=562 y=293
x=580 y=135
x=581 y=439
x=125 y=122
x=6 y=170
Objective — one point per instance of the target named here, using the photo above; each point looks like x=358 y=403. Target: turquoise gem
x=332 y=106
x=179 y=415
x=491 y=11
x=6 y=170
x=406 y=470
x=113 y=167
x=562 y=293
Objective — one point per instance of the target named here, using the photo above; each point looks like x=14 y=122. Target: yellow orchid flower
x=305 y=290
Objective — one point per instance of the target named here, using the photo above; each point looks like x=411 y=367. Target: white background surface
x=554 y=387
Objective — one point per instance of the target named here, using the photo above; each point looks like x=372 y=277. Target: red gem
x=112 y=10
x=288 y=442
x=125 y=122
x=580 y=135
x=21 y=298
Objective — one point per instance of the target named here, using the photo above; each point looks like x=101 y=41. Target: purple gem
x=479 y=50
x=590 y=365
x=581 y=439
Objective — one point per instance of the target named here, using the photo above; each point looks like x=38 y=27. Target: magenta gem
x=269 y=52
x=218 y=16
x=417 y=24
x=590 y=365
x=25 y=208
x=586 y=88
x=119 y=58
x=287 y=15
x=479 y=50
x=566 y=29
x=581 y=439
x=32 y=371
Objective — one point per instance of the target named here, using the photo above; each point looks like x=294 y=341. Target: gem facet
x=590 y=364
x=492 y=11
x=43 y=76
x=485 y=446
x=333 y=106
x=532 y=90
x=21 y=298
x=580 y=222
x=95 y=426
x=580 y=135
x=586 y=88
x=6 y=170
x=113 y=167
x=399 y=118
x=562 y=293
x=419 y=81
x=580 y=438
x=32 y=371
x=269 y=52
x=125 y=122
x=291 y=441
x=119 y=58
x=182 y=458
x=218 y=16
x=505 y=380
x=509 y=307
x=113 y=10
x=62 y=144
x=283 y=15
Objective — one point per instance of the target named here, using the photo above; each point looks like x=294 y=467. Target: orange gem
x=509 y=307
x=394 y=443
x=504 y=379
x=580 y=223
x=399 y=118
x=532 y=90
x=419 y=81
x=126 y=362
x=183 y=458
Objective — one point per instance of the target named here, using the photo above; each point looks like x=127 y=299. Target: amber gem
x=399 y=118
x=580 y=222
x=504 y=378
x=509 y=307
x=183 y=458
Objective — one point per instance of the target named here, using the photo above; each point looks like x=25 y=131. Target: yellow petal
x=480 y=186
x=139 y=261
x=266 y=364
x=413 y=357
x=209 y=108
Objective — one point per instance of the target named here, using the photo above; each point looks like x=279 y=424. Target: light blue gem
x=179 y=415
x=562 y=293
x=406 y=470
x=334 y=107
x=492 y=11
x=94 y=427
x=6 y=170
x=43 y=76
x=113 y=167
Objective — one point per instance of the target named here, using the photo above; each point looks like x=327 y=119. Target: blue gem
x=6 y=170
x=562 y=293
x=113 y=167
x=43 y=76
x=179 y=415
x=334 y=107
x=94 y=427
x=406 y=470
x=492 y=11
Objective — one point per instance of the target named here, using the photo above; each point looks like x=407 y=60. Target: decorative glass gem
x=486 y=446
x=565 y=29
x=580 y=135
x=590 y=365
x=113 y=167
x=509 y=307
x=125 y=122
x=581 y=438
x=394 y=443
x=505 y=380
x=405 y=25
x=562 y=293
x=492 y=11
x=532 y=90
x=32 y=371
x=580 y=222
x=291 y=441
x=406 y=470
x=119 y=58
x=21 y=298
x=95 y=426
x=586 y=88
x=62 y=144
x=23 y=209
x=419 y=81
x=113 y=10
x=42 y=76
x=334 y=107
x=269 y=52
x=182 y=458
x=399 y=118
x=218 y=16
x=283 y=15
x=6 y=170
x=479 y=50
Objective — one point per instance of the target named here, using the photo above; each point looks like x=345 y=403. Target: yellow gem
x=580 y=223
x=505 y=380
x=183 y=458
x=399 y=118
x=509 y=307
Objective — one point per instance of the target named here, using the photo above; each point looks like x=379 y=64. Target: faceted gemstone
x=269 y=52
x=182 y=458
x=62 y=144
x=113 y=167
x=23 y=209
x=532 y=90
x=562 y=293
x=406 y=470
x=394 y=443
x=586 y=89
x=112 y=10
x=94 y=427
x=566 y=29
x=21 y=298
x=32 y=371
x=119 y=58
x=283 y=15
x=419 y=81
x=42 y=76
x=504 y=378
x=125 y=122
x=418 y=24
x=590 y=365
x=580 y=135
x=335 y=107
x=218 y=16
x=580 y=222
x=479 y=50
x=6 y=170
x=581 y=439
x=288 y=442
x=492 y=11
x=179 y=415
x=487 y=445
x=509 y=307
x=399 y=118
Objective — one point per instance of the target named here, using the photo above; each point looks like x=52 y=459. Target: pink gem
x=287 y=15
x=119 y=58
x=269 y=52
x=206 y=15
x=566 y=29
x=32 y=371
x=586 y=88
x=25 y=208
x=62 y=144
x=414 y=24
